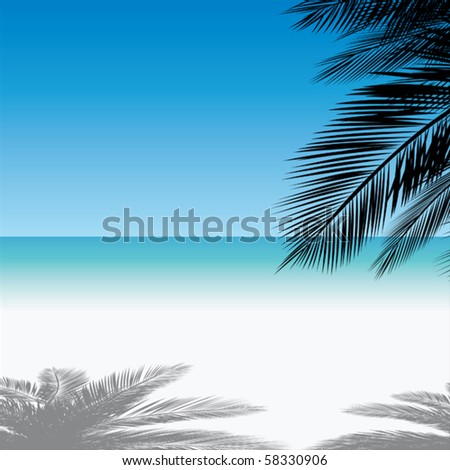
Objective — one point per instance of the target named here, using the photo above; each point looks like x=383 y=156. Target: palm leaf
x=168 y=411
x=99 y=402
x=422 y=408
x=373 y=52
x=18 y=389
x=352 y=16
x=425 y=398
x=392 y=34
x=377 y=155
x=161 y=439
x=16 y=415
x=420 y=221
x=385 y=440
x=58 y=383
x=444 y=263
x=121 y=392
x=435 y=417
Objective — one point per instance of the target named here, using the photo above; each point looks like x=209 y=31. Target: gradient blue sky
x=151 y=105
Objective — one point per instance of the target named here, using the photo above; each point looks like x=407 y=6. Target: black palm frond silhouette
x=427 y=213
x=387 y=152
x=389 y=33
x=422 y=408
x=444 y=263
x=352 y=16
x=65 y=410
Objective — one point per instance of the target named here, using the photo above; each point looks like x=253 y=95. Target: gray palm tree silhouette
x=423 y=408
x=64 y=410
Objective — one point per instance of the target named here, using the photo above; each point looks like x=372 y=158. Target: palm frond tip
x=421 y=408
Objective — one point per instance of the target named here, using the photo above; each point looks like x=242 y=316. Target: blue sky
x=151 y=105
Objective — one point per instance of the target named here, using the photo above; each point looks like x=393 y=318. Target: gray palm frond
x=384 y=440
x=185 y=409
x=425 y=398
x=18 y=389
x=66 y=411
x=160 y=439
x=118 y=392
x=57 y=383
x=422 y=408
